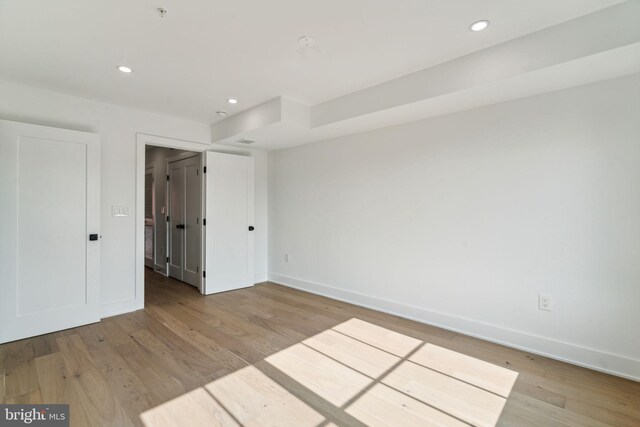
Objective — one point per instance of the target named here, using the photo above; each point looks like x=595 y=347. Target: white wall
x=462 y=220
x=117 y=127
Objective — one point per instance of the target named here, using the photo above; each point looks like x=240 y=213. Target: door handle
x=180 y=226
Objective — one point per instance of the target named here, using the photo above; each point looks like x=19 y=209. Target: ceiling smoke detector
x=221 y=113
x=245 y=141
x=306 y=41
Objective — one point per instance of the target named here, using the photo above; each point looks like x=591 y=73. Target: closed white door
x=185 y=225
x=49 y=229
x=229 y=229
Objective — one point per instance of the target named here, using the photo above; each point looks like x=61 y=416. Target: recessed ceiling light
x=125 y=69
x=232 y=101
x=479 y=25
x=221 y=113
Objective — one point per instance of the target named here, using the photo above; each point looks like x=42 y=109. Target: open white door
x=49 y=229
x=229 y=222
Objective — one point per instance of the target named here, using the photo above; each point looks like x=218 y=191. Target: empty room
x=314 y=214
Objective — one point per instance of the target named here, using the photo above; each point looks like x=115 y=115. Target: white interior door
x=175 y=213
x=229 y=205
x=49 y=216
x=185 y=226
x=192 y=231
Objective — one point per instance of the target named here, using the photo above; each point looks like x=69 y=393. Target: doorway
x=173 y=213
x=226 y=179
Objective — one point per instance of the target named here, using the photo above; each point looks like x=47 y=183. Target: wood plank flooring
x=270 y=355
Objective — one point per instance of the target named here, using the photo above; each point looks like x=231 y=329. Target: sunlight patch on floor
x=367 y=373
x=245 y=398
x=482 y=374
x=368 y=360
x=459 y=399
x=255 y=399
x=195 y=408
x=379 y=337
x=384 y=406
x=329 y=379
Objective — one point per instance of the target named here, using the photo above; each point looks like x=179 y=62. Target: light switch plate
x=119 y=211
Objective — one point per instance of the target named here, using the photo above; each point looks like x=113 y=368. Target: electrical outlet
x=544 y=302
x=286 y=258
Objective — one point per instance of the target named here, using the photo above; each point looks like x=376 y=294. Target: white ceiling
x=599 y=46
x=205 y=51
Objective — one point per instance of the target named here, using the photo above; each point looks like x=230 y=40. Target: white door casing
x=50 y=205
x=229 y=212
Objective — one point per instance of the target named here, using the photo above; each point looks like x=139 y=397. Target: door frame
x=168 y=161
x=143 y=140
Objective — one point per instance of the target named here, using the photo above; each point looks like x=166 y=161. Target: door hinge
x=197 y=268
x=204 y=221
x=204 y=169
x=204 y=273
x=167 y=177
x=167 y=218
x=167 y=259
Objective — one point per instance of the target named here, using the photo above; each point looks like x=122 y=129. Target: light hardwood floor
x=270 y=355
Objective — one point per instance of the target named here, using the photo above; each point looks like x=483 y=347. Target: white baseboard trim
x=577 y=355
x=260 y=277
x=120 y=307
